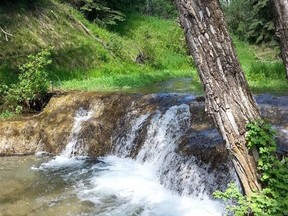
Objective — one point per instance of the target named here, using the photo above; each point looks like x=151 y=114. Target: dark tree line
x=109 y=12
x=251 y=20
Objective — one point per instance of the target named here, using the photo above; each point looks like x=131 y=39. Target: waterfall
x=175 y=171
x=73 y=145
x=74 y=150
x=146 y=172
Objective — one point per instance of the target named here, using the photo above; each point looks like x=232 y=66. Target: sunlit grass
x=83 y=63
x=264 y=70
x=123 y=81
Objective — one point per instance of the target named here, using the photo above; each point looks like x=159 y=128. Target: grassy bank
x=137 y=52
x=138 y=35
x=263 y=68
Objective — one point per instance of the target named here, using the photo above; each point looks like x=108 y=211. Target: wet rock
x=275 y=110
x=50 y=130
x=18 y=137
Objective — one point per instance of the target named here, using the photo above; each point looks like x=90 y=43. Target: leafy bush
x=273 y=198
x=31 y=87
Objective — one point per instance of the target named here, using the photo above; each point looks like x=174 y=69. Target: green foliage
x=261 y=136
x=98 y=11
x=158 y=8
x=78 y=58
x=32 y=85
x=261 y=29
x=238 y=14
x=161 y=8
x=263 y=68
x=273 y=199
x=6 y=114
x=237 y=203
x=251 y=20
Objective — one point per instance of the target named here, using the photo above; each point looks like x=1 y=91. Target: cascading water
x=73 y=148
x=146 y=174
x=174 y=170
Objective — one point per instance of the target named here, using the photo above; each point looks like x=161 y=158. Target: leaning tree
x=227 y=96
x=281 y=23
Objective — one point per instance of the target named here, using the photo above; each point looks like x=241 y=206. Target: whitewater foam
x=132 y=188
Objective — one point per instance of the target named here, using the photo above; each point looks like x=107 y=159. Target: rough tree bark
x=228 y=98
x=281 y=23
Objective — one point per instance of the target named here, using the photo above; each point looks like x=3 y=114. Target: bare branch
x=96 y=38
x=6 y=34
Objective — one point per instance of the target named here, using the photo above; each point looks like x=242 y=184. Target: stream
x=145 y=174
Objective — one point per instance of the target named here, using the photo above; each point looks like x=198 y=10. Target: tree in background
x=111 y=11
x=281 y=23
x=228 y=98
x=261 y=28
x=250 y=20
x=97 y=11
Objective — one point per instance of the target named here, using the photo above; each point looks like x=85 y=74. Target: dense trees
x=228 y=99
x=250 y=20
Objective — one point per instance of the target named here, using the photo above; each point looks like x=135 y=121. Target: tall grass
x=268 y=77
x=264 y=70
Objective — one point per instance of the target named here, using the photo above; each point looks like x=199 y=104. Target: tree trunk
x=228 y=98
x=281 y=24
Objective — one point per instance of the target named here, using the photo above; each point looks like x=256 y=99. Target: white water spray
x=68 y=158
x=158 y=182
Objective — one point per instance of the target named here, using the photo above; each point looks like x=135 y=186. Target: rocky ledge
x=50 y=130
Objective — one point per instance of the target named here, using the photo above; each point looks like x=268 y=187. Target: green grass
x=267 y=76
x=264 y=70
x=123 y=81
x=164 y=60
x=7 y=115
x=81 y=62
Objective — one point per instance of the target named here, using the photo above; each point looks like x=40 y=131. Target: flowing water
x=147 y=178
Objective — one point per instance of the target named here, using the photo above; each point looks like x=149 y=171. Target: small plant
x=6 y=114
x=273 y=198
x=32 y=85
x=236 y=202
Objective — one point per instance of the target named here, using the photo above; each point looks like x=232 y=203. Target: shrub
x=32 y=85
x=273 y=198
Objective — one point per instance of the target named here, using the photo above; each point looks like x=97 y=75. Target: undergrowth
x=31 y=89
x=263 y=68
x=273 y=198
